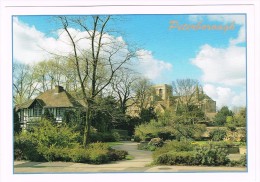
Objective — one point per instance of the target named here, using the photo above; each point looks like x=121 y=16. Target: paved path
x=140 y=163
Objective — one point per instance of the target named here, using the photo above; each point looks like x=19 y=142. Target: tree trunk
x=88 y=120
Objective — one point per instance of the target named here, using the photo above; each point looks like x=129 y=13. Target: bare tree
x=23 y=83
x=97 y=62
x=123 y=88
x=187 y=92
x=143 y=93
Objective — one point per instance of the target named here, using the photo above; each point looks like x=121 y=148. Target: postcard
x=128 y=91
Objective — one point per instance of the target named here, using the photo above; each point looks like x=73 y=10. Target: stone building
x=164 y=99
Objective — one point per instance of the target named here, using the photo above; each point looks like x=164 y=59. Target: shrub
x=173 y=146
x=176 y=158
x=185 y=153
x=146 y=146
x=79 y=155
x=147 y=131
x=120 y=134
x=211 y=156
x=217 y=134
x=115 y=155
x=243 y=160
x=25 y=148
x=165 y=135
x=105 y=137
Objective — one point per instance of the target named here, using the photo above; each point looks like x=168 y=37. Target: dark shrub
x=25 y=148
x=217 y=134
x=115 y=155
x=105 y=137
x=165 y=135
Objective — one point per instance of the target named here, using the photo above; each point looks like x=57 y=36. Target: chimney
x=58 y=89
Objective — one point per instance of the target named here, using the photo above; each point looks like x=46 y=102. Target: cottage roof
x=57 y=97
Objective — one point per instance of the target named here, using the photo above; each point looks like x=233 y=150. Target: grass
x=111 y=144
x=129 y=157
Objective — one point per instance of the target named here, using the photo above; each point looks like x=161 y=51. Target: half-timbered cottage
x=56 y=101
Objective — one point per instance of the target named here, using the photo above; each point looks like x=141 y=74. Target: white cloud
x=225 y=96
x=149 y=66
x=225 y=66
x=32 y=46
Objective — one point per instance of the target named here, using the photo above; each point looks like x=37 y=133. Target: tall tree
x=97 y=61
x=123 y=85
x=221 y=117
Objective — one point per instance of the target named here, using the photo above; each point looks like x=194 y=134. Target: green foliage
x=43 y=144
x=218 y=134
x=211 y=156
x=45 y=138
x=240 y=118
x=25 y=148
x=243 y=160
x=174 y=146
x=186 y=153
x=104 y=137
x=74 y=118
x=147 y=115
x=177 y=158
x=106 y=114
x=147 y=131
x=221 y=116
x=191 y=113
x=47 y=115
x=17 y=124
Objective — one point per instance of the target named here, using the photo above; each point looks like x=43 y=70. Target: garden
x=174 y=141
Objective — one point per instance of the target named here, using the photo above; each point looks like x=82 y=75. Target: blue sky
x=215 y=57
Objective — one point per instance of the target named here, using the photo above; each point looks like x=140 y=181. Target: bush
x=165 y=135
x=25 y=148
x=217 y=134
x=211 y=156
x=243 y=160
x=177 y=158
x=173 y=146
x=59 y=143
x=105 y=137
x=185 y=153
x=115 y=155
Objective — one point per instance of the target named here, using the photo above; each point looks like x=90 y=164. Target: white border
x=9 y=8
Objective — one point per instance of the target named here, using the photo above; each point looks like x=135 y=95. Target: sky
x=172 y=47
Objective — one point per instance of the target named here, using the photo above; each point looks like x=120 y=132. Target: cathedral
x=164 y=99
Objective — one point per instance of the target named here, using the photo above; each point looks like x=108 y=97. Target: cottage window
x=60 y=112
x=37 y=111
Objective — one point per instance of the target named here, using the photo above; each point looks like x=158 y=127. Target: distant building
x=164 y=99
x=56 y=101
